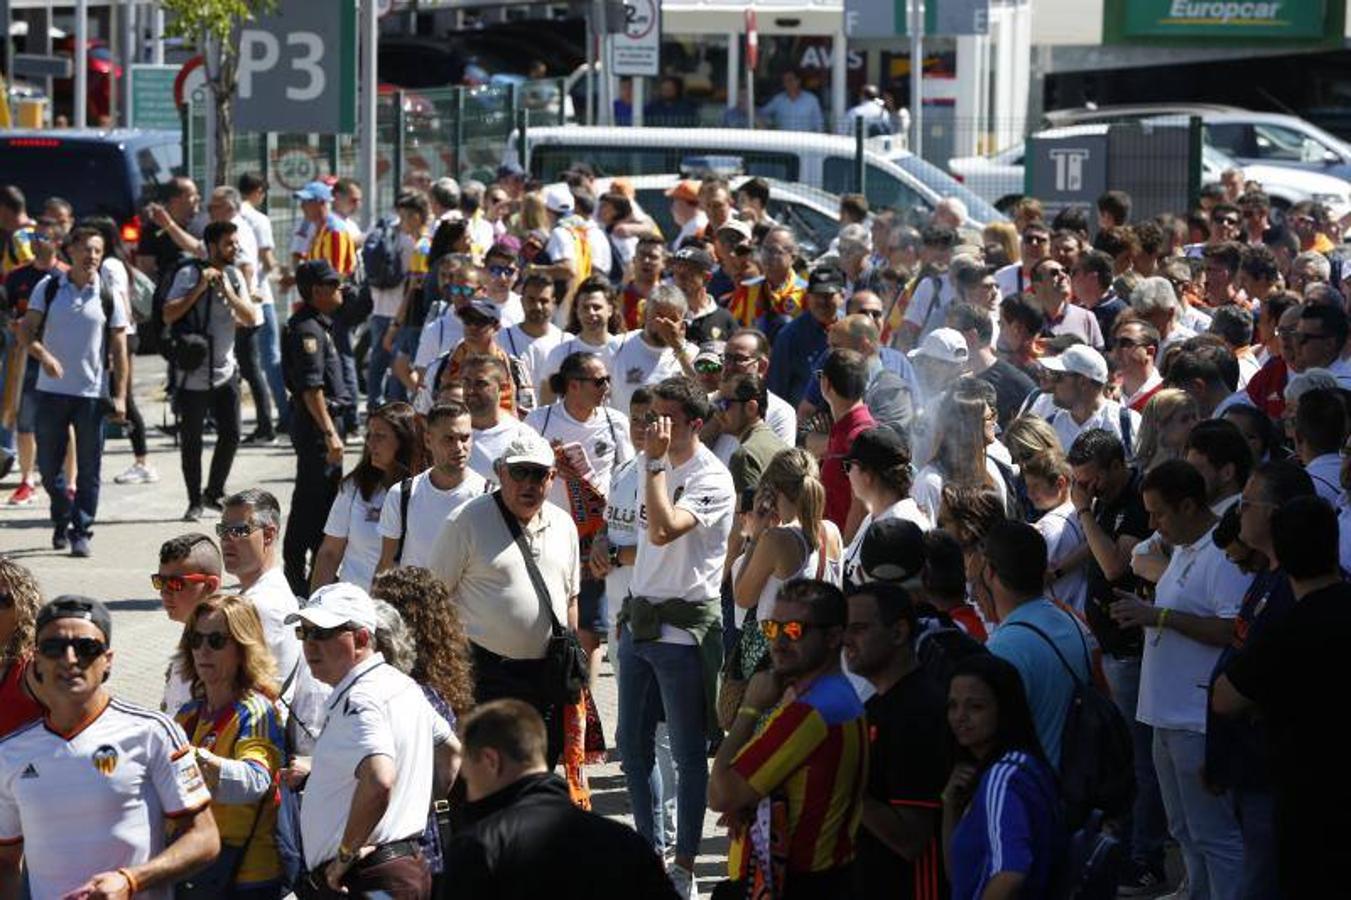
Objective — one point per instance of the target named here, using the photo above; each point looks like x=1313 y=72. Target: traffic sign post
x=32 y=65
x=152 y=97
x=637 y=49
x=298 y=70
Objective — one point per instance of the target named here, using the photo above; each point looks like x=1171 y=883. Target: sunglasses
x=707 y=366
x=871 y=313
x=527 y=472
x=87 y=649
x=216 y=640
x=726 y=403
x=1126 y=344
x=734 y=359
x=461 y=290
x=315 y=633
x=1036 y=239
x=598 y=381
x=176 y=583
x=848 y=465
x=235 y=532
x=501 y=271
x=794 y=629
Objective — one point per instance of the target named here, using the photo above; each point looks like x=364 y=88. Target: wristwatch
x=613 y=556
x=345 y=856
x=656 y=465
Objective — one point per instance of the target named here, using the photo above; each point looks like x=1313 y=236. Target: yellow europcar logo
x=105 y=759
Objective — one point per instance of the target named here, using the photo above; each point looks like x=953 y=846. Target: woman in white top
x=880 y=474
x=788 y=535
x=352 y=543
x=1164 y=425
x=964 y=427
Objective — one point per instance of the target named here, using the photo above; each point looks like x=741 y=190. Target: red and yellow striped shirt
x=333 y=243
x=813 y=751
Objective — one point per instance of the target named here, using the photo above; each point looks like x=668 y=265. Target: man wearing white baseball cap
x=492 y=576
x=938 y=360
x=1080 y=373
x=383 y=755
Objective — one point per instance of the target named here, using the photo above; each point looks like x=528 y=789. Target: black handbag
x=566 y=661
x=217 y=881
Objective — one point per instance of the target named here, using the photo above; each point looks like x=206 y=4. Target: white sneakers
x=682 y=879
x=138 y=473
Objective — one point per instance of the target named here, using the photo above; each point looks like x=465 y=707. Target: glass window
x=1279 y=142
x=1233 y=139
x=814 y=230
x=882 y=188
x=92 y=176
x=549 y=161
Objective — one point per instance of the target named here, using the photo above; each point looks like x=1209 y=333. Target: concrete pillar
x=839 y=75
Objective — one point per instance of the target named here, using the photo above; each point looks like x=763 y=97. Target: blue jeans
x=665 y=677
x=1256 y=814
x=1148 y=826
x=7 y=445
x=269 y=354
x=56 y=413
x=377 y=364
x=1202 y=823
x=666 y=775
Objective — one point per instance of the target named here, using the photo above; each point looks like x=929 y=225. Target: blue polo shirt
x=1049 y=687
x=795 y=347
x=74 y=333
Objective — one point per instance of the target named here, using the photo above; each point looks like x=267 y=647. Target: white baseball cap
x=1080 y=359
x=558 y=199
x=334 y=605
x=943 y=344
x=528 y=447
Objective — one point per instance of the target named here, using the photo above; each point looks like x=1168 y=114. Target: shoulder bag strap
x=548 y=416
x=405 y=494
x=1050 y=643
x=536 y=579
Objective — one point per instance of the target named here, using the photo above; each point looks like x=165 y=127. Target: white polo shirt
x=690 y=567
x=272 y=597
x=604 y=438
x=1108 y=416
x=1175 y=671
x=96 y=800
x=488 y=580
x=428 y=509
x=375 y=710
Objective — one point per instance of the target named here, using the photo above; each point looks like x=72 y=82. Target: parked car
x=999 y=178
x=111 y=173
x=822 y=161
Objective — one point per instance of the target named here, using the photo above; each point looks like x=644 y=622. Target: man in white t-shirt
x=383 y=757
x=1080 y=373
x=670 y=632
x=499 y=265
x=494 y=427
x=87 y=794
x=416 y=508
x=1186 y=627
x=535 y=336
x=1016 y=278
x=656 y=351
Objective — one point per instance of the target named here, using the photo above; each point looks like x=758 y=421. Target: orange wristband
x=132 y=886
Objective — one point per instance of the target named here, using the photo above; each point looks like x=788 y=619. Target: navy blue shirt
x=1106 y=312
x=797 y=344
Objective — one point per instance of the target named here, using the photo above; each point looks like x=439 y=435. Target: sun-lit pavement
x=133 y=520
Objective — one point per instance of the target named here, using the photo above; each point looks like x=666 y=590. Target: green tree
x=214 y=25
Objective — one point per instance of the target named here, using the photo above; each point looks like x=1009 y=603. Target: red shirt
x=839 y=495
x=1266 y=389
x=969 y=621
x=17 y=708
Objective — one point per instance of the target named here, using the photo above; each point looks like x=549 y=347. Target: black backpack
x=168 y=336
x=1097 y=771
x=940 y=644
x=380 y=254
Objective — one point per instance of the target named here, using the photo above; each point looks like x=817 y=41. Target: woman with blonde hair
x=20 y=599
x=1167 y=420
x=1030 y=435
x=534 y=214
x=232 y=722
x=959 y=455
x=1001 y=244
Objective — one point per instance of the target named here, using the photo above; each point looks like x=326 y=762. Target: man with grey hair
x=656 y=351
x=445 y=199
x=854 y=251
x=950 y=212
x=1155 y=301
x=1309 y=268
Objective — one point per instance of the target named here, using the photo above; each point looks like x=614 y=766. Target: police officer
x=313 y=373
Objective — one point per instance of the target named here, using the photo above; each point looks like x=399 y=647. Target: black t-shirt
x=157 y=243
x=19 y=284
x=1011 y=388
x=1126 y=515
x=907 y=768
x=1296 y=673
x=717 y=325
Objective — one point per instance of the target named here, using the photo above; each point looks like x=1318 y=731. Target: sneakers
x=138 y=473
x=682 y=879
x=1141 y=880
x=213 y=502
x=193 y=514
x=24 y=495
x=260 y=439
x=59 y=539
x=79 y=546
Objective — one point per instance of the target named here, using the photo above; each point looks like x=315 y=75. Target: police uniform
x=310 y=360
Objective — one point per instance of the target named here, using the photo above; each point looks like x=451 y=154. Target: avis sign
x=298 y=69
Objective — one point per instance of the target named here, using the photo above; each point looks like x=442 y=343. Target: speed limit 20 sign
x=297 y=68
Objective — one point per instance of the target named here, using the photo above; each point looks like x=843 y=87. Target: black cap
x=893 y=550
x=878 y=448
x=315 y=271
x=696 y=256
x=825 y=280
x=939 y=236
x=73 y=606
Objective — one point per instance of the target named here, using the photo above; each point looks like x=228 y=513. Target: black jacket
x=528 y=840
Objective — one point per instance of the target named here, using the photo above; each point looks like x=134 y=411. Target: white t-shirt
x=906 y=509
x=261 y=227
x=375 y=710
x=782 y=419
x=690 y=567
x=636 y=364
x=272 y=597
x=1326 y=472
x=119 y=279
x=724 y=447
x=386 y=301
x=1108 y=416
x=438 y=336
x=1011 y=280
x=621 y=528
x=98 y=800
x=604 y=439
x=927 y=491
x=489 y=444
x=563 y=244
x=1063 y=535
x=919 y=314
x=532 y=352
x=358 y=522
x=1175 y=670
x=573 y=343
x=428 y=509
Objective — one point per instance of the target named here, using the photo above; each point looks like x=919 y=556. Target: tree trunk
x=225 y=136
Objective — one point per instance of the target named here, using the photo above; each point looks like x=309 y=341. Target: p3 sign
x=297 y=68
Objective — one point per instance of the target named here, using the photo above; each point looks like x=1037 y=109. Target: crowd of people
x=922 y=563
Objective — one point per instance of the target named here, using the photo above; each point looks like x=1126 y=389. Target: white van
x=820 y=160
